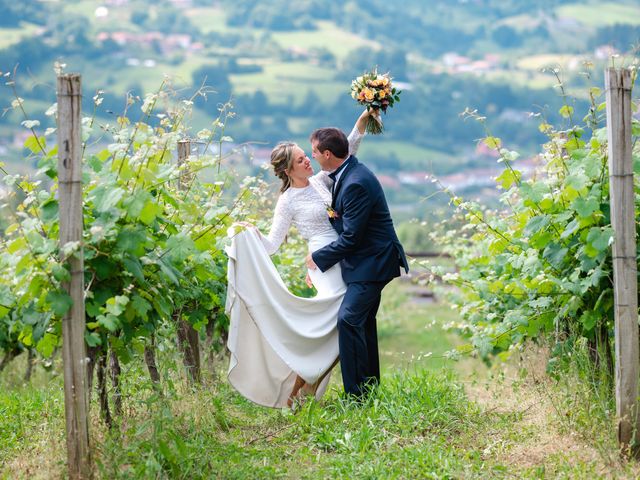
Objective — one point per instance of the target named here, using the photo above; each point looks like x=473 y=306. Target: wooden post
x=73 y=324
x=618 y=88
x=187 y=335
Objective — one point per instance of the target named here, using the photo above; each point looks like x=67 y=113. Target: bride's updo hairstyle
x=281 y=159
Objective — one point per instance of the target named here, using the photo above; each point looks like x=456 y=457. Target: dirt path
x=536 y=433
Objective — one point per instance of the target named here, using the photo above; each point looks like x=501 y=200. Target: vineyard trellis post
x=187 y=335
x=74 y=353
x=618 y=92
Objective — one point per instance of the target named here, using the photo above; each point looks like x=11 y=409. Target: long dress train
x=274 y=335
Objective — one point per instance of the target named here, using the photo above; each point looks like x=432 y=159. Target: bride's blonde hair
x=281 y=159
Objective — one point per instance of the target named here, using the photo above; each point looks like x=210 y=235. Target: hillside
x=288 y=69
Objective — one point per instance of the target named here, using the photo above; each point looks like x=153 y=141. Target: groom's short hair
x=332 y=139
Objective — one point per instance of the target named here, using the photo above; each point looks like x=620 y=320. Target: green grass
x=410 y=155
x=209 y=19
x=85 y=8
x=338 y=41
x=521 y=22
x=10 y=36
x=419 y=423
x=411 y=334
x=601 y=14
x=291 y=81
x=404 y=429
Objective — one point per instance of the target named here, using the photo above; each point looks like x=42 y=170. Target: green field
x=10 y=36
x=210 y=19
x=286 y=82
x=601 y=14
x=521 y=22
x=328 y=35
x=412 y=156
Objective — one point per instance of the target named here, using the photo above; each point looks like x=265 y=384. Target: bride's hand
x=308 y=281
x=244 y=224
x=375 y=113
x=361 y=123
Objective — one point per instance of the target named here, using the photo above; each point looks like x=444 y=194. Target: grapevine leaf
x=600 y=238
x=106 y=197
x=108 y=321
x=141 y=306
x=171 y=273
x=535 y=224
x=135 y=203
x=16 y=245
x=60 y=273
x=49 y=210
x=133 y=266
x=566 y=111
x=131 y=240
x=493 y=143
x=180 y=247
x=585 y=207
x=508 y=178
x=35 y=144
x=149 y=212
x=47 y=344
x=92 y=338
x=555 y=254
x=60 y=302
x=589 y=320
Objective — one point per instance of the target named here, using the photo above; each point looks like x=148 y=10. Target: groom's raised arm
x=357 y=206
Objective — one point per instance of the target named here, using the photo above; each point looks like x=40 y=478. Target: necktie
x=332 y=176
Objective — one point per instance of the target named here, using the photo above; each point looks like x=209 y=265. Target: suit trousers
x=358 y=336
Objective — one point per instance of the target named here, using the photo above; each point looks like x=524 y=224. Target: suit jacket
x=367 y=247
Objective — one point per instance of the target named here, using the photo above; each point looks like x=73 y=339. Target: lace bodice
x=306 y=208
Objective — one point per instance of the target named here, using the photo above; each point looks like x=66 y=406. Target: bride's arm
x=322 y=179
x=282 y=218
x=358 y=131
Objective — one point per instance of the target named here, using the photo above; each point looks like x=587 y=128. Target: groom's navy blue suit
x=370 y=255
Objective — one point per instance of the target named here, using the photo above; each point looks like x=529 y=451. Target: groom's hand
x=310 y=263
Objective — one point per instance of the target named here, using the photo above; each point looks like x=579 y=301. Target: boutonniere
x=332 y=213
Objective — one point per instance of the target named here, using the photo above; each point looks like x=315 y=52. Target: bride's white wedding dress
x=274 y=335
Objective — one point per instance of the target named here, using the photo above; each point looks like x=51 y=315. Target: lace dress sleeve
x=282 y=218
x=355 y=137
x=322 y=180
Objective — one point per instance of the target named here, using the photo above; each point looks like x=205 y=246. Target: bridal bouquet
x=374 y=91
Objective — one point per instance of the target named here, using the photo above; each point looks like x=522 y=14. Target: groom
x=368 y=250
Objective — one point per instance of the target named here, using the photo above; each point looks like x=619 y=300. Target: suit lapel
x=352 y=161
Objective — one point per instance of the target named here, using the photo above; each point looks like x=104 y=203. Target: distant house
x=479 y=177
x=168 y=43
x=514 y=116
x=414 y=178
x=604 y=52
x=388 y=182
x=482 y=150
x=260 y=156
x=19 y=137
x=460 y=64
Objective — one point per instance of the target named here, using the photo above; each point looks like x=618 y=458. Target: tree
x=217 y=80
x=506 y=37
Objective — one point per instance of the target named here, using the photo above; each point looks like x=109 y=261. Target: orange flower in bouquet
x=375 y=91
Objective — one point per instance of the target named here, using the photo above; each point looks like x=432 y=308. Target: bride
x=281 y=345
